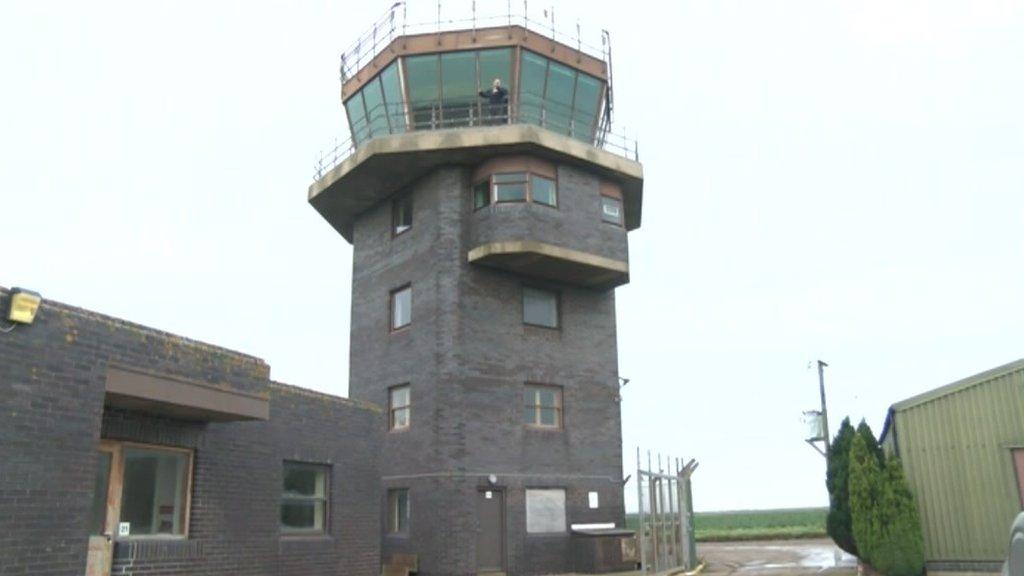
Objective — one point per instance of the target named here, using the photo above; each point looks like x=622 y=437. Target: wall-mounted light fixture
x=23 y=306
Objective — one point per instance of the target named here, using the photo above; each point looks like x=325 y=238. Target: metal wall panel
x=956 y=451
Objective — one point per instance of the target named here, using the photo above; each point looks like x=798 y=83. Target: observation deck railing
x=404 y=117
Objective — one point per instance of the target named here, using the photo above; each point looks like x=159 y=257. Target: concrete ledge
x=550 y=262
x=182 y=399
x=385 y=165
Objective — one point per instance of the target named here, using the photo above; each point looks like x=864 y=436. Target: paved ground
x=777 y=558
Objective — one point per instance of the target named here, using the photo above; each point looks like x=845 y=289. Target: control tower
x=489 y=230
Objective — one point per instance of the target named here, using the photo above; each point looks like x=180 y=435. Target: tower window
x=399 y=407
x=540 y=307
x=542 y=190
x=481 y=195
x=510 y=187
x=304 y=498
x=398 y=511
x=611 y=210
x=401 y=307
x=542 y=406
x=401 y=215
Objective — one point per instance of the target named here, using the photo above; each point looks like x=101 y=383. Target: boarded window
x=540 y=307
x=545 y=511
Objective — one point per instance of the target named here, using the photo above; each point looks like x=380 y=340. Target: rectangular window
x=611 y=210
x=154 y=491
x=510 y=187
x=398 y=407
x=401 y=215
x=304 y=499
x=540 y=307
x=542 y=406
x=542 y=190
x=481 y=195
x=545 y=511
x=401 y=307
x=398 y=511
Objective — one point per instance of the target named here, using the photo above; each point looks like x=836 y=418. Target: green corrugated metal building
x=962 y=448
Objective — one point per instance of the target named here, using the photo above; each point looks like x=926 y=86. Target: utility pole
x=819 y=419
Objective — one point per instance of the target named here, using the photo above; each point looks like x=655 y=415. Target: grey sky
x=823 y=179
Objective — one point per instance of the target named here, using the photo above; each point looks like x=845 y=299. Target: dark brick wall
x=467 y=356
x=52 y=377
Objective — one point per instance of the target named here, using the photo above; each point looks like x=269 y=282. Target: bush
x=838 y=523
x=884 y=520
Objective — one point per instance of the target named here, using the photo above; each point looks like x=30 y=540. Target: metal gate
x=664 y=500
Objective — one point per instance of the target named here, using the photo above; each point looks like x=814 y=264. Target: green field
x=755 y=524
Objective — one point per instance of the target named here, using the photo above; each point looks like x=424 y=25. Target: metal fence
x=403 y=117
x=665 y=505
x=395 y=23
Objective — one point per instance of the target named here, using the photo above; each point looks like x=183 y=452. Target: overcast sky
x=835 y=180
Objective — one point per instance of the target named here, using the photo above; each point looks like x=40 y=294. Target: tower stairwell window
x=401 y=307
x=401 y=215
x=540 y=307
x=399 y=409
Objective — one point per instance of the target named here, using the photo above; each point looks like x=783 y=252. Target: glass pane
x=532 y=75
x=543 y=190
x=400 y=418
x=548 y=417
x=400 y=397
x=546 y=397
x=393 y=97
x=401 y=308
x=357 y=117
x=458 y=87
x=495 y=64
x=558 y=97
x=611 y=210
x=423 y=77
x=98 y=518
x=153 y=494
x=402 y=214
x=510 y=177
x=303 y=481
x=376 y=114
x=481 y=195
x=530 y=396
x=540 y=307
x=529 y=415
x=303 y=515
x=509 y=192
x=588 y=98
x=545 y=511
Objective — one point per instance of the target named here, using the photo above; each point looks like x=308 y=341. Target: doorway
x=104 y=511
x=490 y=540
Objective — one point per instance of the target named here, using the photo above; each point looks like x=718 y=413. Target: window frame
x=391 y=308
x=326 y=498
x=392 y=408
x=622 y=211
x=116 y=485
x=404 y=199
x=393 y=525
x=558 y=306
x=528 y=196
x=559 y=407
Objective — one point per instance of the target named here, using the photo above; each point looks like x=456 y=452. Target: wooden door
x=105 y=510
x=490 y=542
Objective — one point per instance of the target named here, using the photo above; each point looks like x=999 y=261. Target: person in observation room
x=497 y=103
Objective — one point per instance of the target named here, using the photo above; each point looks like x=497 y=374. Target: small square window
x=304 y=499
x=510 y=187
x=398 y=511
x=542 y=406
x=611 y=210
x=481 y=195
x=401 y=307
x=543 y=190
x=399 y=407
x=401 y=215
x=540 y=307
x=545 y=511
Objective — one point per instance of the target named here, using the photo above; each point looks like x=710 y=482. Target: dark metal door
x=490 y=539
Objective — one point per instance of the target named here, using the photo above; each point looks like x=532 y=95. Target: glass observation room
x=455 y=89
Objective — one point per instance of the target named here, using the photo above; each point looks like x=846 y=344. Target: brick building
x=185 y=454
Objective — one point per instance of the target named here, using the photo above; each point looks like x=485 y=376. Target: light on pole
x=817 y=420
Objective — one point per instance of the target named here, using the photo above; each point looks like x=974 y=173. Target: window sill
x=543 y=429
x=543 y=327
x=306 y=537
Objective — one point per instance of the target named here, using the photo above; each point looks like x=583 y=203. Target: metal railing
x=394 y=23
x=403 y=117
